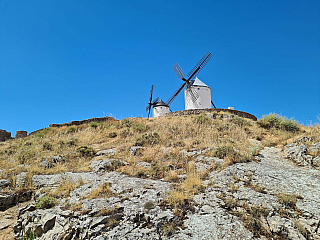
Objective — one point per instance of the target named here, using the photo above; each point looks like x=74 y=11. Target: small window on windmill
x=198 y=88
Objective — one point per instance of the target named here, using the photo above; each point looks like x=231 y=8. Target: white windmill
x=197 y=94
x=159 y=107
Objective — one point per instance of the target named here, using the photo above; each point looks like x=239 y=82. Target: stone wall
x=4 y=135
x=212 y=110
x=103 y=119
x=21 y=134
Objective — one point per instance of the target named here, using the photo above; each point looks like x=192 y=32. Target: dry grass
x=101 y=191
x=163 y=139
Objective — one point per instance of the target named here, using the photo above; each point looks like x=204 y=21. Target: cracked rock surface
x=270 y=198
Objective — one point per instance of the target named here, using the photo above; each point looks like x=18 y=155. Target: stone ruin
x=4 y=135
x=21 y=134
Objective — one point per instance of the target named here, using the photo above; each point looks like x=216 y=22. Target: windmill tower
x=202 y=95
x=197 y=94
x=160 y=108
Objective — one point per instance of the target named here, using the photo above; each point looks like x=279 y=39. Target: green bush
x=222 y=152
x=255 y=150
x=86 y=151
x=274 y=120
x=201 y=119
x=71 y=129
x=46 y=202
x=126 y=122
x=148 y=139
x=139 y=127
x=94 y=124
x=42 y=133
x=239 y=121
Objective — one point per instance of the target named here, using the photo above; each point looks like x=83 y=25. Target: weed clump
x=239 y=121
x=201 y=119
x=149 y=205
x=222 y=152
x=46 y=202
x=126 y=122
x=42 y=133
x=148 y=139
x=47 y=146
x=139 y=127
x=94 y=124
x=86 y=151
x=71 y=129
x=288 y=200
x=279 y=122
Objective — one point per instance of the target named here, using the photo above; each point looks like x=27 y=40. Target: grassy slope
x=171 y=133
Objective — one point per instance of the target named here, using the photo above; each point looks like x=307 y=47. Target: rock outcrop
x=270 y=198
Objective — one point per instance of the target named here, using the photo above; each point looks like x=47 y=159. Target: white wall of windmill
x=158 y=111
x=203 y=98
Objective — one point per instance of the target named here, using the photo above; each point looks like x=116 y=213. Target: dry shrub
x=172 y=176
x=289 y=200
x=103 y=190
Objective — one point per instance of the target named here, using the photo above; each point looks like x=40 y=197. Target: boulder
x=4 y=183
x=107 y=152
x=144 y=164
x=48 y=222
x=21 y=180
x=107 y=164
x=51 y=161
x=134 y=149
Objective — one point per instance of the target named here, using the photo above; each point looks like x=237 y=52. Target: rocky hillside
x=208 y=176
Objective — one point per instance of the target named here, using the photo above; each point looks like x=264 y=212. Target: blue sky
x=71 y=60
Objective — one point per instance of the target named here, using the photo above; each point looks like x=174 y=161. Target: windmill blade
x=193 y=94
x=195 y=71
x=178 y=71
x=213 y=104
x=147 y=108
x=155 y=101
x=151 y=94
x=170 y=100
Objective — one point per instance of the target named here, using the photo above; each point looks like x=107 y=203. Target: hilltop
x=214 y=175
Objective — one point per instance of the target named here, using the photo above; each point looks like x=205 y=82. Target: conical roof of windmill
x=199 y=83
x=160 y=103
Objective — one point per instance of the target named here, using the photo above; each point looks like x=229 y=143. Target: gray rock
x=51 y=161
x=134 y=149
x=21 y=180
x=27 y=208
x=297 y=153
x=8 y=200
x=4 y=183
x=107 y=152
x=316 y=161
x=48 y=222
x=304 y=140
x=214 y=213
x=107 y=164
x=144 y=164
